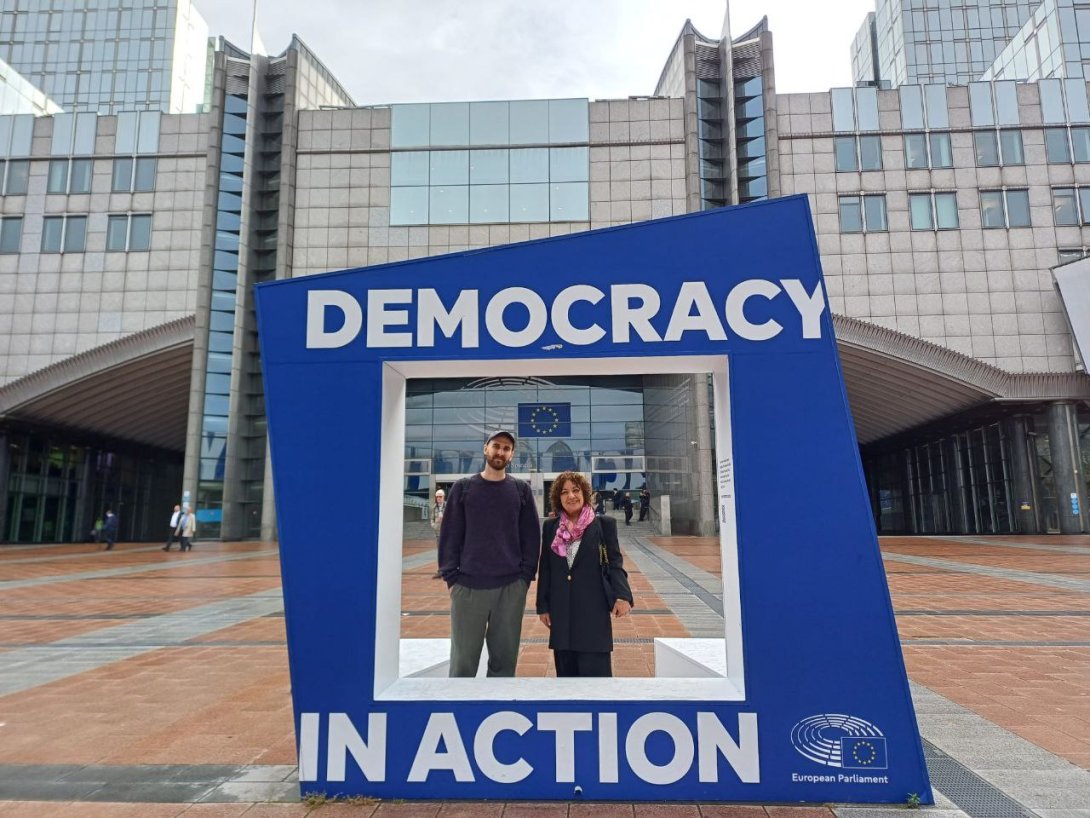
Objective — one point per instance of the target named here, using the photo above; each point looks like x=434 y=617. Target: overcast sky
x=440 y=50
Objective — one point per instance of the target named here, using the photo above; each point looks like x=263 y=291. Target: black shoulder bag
x=607 y=582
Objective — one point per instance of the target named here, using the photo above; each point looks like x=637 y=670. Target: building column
x=705 y=484
x=1064 y=447
x=4 y=461
x=955 y=494
x=1022 y=483
x=268 y=502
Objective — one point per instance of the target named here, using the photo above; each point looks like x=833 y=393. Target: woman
x=571 y=601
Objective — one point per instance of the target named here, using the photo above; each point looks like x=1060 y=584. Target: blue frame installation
x=806 y=698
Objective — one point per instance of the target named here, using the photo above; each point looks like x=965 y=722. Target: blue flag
x=544 y=420
x=863 y=753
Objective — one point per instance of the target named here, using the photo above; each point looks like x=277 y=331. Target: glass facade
x=750 y=137
x=594 y=425
x=106 y=56
x=490 y=162
x=221 y=330
x=57 y=490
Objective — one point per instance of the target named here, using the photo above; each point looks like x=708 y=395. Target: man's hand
x=546 y=620
x=621 y=608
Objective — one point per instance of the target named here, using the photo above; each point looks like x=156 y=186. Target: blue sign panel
x=804 y=700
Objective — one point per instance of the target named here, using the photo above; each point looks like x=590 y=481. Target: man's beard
x=498 y=463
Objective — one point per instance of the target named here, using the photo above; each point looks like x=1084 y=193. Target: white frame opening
x=390 y=686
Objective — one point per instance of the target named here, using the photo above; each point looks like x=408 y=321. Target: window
x=863 y=214
x=846 y=159
x=870 y=152
x=128 y=233
x=987 y=149
x=1010 y=145
x=942 y=156
x=1065 y=206
x=11 y=234
x=16 y=177
x=1057 y=147
x=916 y=151
x=1065 y=256
x=858 y=153
x=1071 y=206
x=490 y=185
x=929 y=211
x=1004 y=208
x=137 y=175
x=121 y=176
x=144 y=178
x=64 y=234
x=69 y=176
x=924 y=151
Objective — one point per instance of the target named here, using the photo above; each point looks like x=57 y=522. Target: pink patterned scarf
x=567 y=531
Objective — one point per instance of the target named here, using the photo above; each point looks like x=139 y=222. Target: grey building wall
x=57 y=304
x=637 y=172
x=987 y=293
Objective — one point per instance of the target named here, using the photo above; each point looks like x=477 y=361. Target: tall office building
x=108 y=56
x=954 y=42
x=130 y=244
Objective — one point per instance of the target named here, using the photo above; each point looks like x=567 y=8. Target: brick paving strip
x=1036 y=578
x=1001 y=761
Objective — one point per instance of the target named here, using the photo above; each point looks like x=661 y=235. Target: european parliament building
x=150 y=177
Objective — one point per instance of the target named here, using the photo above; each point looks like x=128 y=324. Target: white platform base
x=686 y=670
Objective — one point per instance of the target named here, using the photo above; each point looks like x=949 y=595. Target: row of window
x=866 y=213
x=930 y=150
x=68 y=234
x=129 y=175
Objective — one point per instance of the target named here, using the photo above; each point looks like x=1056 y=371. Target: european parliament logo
x=544 y=420
x=837 y=740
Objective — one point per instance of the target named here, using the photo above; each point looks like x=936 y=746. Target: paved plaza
x=138 y=683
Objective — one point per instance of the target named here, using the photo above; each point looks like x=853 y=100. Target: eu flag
x=544 y=420
x=863 y=753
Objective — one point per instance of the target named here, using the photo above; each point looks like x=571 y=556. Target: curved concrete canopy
x=896 y=381
x=135 y=388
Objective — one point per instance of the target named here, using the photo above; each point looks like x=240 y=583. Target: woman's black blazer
x=577 y=607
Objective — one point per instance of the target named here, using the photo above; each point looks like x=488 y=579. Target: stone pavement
x=138 y=683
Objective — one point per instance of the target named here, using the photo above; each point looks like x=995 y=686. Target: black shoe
x=166 y=547
x=437 y=575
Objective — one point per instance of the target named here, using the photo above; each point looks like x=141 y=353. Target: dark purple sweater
x=489 y=537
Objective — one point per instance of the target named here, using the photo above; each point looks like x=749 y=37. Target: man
x=645 y=503
x=437 y=522
x=627 y=501
x=488 y=551
x=109 y=529
x=173 y=527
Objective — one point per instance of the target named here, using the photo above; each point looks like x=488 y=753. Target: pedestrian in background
x=109 y=529
x=437 y=510
x=627 y=503
x=645 y=503
x=187 y=525
x=173 y=534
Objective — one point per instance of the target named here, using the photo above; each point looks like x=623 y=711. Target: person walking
x=187 y=525
x=627 y=503
x=571 y=597
x=488 y=552
x=109 y=529
x=645 y=503
x=437 y=510
x=173 y=533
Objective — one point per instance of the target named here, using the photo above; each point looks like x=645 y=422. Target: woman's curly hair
x=558 y=486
